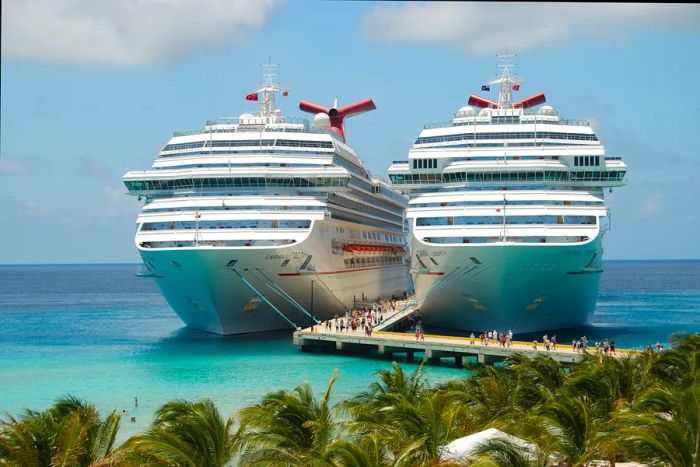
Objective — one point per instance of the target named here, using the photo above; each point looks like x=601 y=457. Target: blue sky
x=93 y=88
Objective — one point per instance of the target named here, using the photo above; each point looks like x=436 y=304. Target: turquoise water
x=102 y=334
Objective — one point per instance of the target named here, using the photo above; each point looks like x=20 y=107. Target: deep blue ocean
x=100 y=332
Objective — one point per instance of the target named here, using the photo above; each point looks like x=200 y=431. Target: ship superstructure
x=508 y=214
x=263 y=222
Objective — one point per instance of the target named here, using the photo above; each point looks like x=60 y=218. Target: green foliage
x=69 y=433
x=500 y=453
x=644 y=408
x=290 y=428
x=184 y=434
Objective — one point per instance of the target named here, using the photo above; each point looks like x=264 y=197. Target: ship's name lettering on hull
x=432 y=253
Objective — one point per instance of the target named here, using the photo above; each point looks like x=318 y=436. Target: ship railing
x=257 y=128
x=514 y=121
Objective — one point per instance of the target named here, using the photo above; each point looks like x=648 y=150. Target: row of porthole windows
x=239 y=224
x=462 y=240
x=234 y=182
x=457 y=177
x=543 y=202
x=237 y=208
x=509 y=135
x=217 y=243
x=496 y=220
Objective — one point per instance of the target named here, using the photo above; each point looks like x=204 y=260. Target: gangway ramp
x=406 y=311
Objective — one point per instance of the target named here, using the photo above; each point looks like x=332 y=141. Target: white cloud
x=475 y=27
x=34 y=209
x=126 y=32
x=652 y=205
x=116 y=204
x=93 y=168
x=20 y=165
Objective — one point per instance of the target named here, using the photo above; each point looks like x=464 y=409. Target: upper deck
x=507 y=145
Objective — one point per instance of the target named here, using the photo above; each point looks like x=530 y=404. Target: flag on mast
x=486 y=87
x=516 y=87
x=252 y=97
x=285 y=93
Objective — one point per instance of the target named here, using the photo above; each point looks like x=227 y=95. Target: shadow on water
x=191 y=342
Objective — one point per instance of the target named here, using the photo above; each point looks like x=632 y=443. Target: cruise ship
x=266 y=222
x=508 y=214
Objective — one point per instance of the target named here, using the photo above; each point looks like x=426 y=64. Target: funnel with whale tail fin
x=336 y=115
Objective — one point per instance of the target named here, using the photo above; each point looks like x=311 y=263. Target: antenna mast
x=506 y=62
x=268 y=89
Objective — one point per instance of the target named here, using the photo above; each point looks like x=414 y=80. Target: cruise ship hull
x=244 y=290
x=523 y=288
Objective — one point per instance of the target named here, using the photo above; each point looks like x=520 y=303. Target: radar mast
x=268 y=89
x=507 y=81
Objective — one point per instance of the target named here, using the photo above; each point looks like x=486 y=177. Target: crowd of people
x=502 y=339
x=363 y=318
x=366 y=317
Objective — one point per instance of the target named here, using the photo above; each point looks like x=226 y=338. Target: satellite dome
x=485 y=112
x=246 y=116
x=546 y=110
x=466 y=111
x=278 y=113
x=322 y=120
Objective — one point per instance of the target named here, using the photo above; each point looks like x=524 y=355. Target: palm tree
x=663 y=426
x=367 y=451
x=416 y=430
x=392 y=382
x=290 y=428
x=403 y=419
x=187 y=434
x=611 y=384
x=488 y=397
x=681 y=364
x=70 y=432
x=571 y=421
x=500 y=453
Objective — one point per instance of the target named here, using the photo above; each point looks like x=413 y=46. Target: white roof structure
x=462 y=448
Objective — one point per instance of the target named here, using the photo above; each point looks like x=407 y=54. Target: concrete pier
x=434 y=348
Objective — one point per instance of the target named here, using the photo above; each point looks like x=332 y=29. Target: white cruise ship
x=508 y=214
x=264 y=222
